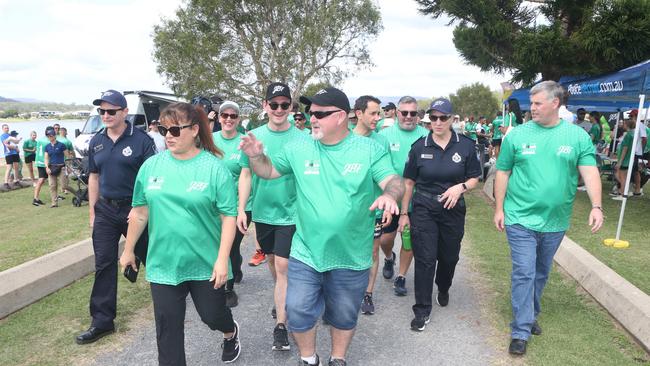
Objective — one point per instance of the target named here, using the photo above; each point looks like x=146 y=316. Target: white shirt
x=642 y=133
x=158 y=140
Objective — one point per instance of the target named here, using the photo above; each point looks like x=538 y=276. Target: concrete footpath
x=457 y=335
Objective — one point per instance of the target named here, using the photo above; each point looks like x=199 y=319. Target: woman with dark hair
x=514 y=117
x=187 y=197
x=596 y=131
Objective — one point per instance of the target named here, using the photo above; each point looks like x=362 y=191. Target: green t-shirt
x=498 y=122
x=29 y=144
x=510 y=119
x=647 y=145
x=40 y=152
x=544 y=175
x=606 y=130
x=627 y=142
x=274 y=202
x=382 y=121
x=383 y=142
x=470 y=127
x=594 y=132
x=335 y=186
x=185 y=199
x=400 y=142
x=231 y=156
x=66 y=142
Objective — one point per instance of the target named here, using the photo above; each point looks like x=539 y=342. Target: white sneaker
x=618 y=198
x=582 y=188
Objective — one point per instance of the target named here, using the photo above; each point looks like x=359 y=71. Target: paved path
x=457 y=334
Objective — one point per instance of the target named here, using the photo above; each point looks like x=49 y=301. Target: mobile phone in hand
x=130 y=273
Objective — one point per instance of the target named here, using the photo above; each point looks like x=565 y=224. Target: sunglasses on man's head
x=174 y=130
x=111 y=112
x=406 y=113
x=275 y=105
x=441 y=118
x=231 y=115
x=321 y=114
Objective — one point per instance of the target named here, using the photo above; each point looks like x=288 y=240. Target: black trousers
x=169 y=303
x=235 y=253
x=436 y=234
x=110 y=223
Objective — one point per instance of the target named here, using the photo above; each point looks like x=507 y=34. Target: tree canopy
x=548 y=37
x=235 y=48
x=476 y=99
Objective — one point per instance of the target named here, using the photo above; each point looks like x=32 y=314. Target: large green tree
x=476 y=99
x=547 y=37
x=237 y=47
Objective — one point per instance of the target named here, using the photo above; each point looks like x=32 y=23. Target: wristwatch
x=464 y=187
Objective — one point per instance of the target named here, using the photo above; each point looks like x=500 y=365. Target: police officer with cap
x=441 y=167
x=115 y=155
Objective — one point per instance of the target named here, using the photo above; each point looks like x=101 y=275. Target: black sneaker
x=336 y=362
x=389 y=269
x=40 y=202
x=35 y=202
x=442 y=298
x=367 y=307
x=231 y=347
x=302 y=362
x=280 y=338
x=274 y=313
x=231 y=298
x=419 y=323
x=238 y=277
x=60 y=198
x=400 y=286
x=536 y=329
x=517 y=347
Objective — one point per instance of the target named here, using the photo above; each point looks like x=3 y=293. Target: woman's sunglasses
x=174 y=130
x=441 y=118
x=111 y=112
x=284 y=106
x=231 y=115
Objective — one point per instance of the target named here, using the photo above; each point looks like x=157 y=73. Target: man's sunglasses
x=321 y=114
x=441 y=118
x=111 y=112
x=298 y=119
x=275 y=106
x=406 y=113
x=231 y=115
x=174 y=130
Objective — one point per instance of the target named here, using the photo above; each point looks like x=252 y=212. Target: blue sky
x=70 y=50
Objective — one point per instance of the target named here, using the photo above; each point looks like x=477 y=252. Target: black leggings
x=169 y=311
x=235 y=253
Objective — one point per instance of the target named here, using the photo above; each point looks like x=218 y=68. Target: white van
x=144 y=106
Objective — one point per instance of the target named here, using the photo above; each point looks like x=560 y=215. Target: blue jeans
x=338 y=293
x=532 y=256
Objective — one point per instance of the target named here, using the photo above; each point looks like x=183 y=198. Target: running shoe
x=388 y=271
x=231 y=347
x=443 y=298
x=280 y=338
x=35 y=202
x=257 y=259
x=336 y=362
x=302 y=362
x=614 y=193
x=400 y=286
x=40 y=202
x=618 y=198
x=232 y=299
x=419 y=323
x=367 y=306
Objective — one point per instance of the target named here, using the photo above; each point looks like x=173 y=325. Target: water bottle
x=406 y=238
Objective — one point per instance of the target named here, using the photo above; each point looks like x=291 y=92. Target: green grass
x=631 y=263
x=577 y=331
x=43 y=333
x=30 y=232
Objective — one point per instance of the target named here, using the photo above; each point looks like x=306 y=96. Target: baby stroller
x=78 y=171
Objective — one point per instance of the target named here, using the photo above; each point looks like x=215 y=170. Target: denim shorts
x=336 y=294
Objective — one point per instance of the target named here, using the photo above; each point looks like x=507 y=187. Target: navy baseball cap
x=112 y=97
x=328 y=97
x=389 y=106
x=441 y=105
x=49 y=131
x=278 y=90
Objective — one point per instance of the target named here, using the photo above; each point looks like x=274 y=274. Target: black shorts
x=42 y=173
x=10 y=159
x=393 y=225
x=275 y=239
x=496 y=142
x=29 y=158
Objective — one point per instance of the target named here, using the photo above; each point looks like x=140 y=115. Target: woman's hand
x=451 y=196
x=220 y=273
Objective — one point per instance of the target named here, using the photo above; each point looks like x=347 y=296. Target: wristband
x=464 y=187
x=403 y=213
x=598 y=207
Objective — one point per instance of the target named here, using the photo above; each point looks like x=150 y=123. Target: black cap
x=112 y=97
x=13 y=133
x=278 y=90
x=389 y=106
x=328 y=97
x=49 y=131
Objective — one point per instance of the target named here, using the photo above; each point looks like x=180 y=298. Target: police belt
x=117 y=203
x=433 y=196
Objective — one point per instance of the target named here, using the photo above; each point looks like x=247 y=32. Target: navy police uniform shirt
x=435 y=169
x=117 y=163
x=56 y=153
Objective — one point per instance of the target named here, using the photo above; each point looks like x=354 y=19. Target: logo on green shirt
x=155 y=183
x=528 y=149
x=394 y=146
x=564 y=149
x=197 y=186
x=351 y=168
x=312 y=167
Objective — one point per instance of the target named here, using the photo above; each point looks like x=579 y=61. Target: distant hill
x=30 y=100
x=3 y=99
